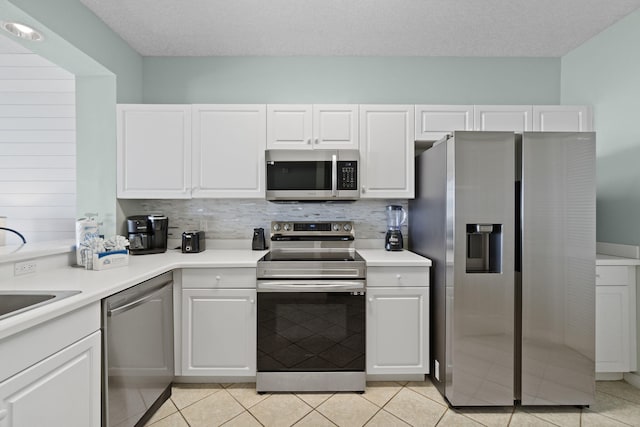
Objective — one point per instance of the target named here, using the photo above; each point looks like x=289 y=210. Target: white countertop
x=383 y=258
x=602 y=259
x=34 y=250
x=95 y=285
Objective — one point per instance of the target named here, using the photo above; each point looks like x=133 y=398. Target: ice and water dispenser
x=484 y=248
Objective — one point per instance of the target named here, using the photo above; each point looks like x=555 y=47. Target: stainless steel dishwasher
x=137 y=351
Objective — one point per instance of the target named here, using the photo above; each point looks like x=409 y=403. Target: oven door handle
x=311 y=286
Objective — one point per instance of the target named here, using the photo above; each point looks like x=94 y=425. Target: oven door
x=311 y=335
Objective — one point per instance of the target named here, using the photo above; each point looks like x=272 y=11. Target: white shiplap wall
x=37 y=146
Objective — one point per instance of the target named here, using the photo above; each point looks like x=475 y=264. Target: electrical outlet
x=25 y=267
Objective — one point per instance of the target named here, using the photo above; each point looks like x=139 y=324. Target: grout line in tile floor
x=617 y=403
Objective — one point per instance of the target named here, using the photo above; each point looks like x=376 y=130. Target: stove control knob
x=347 y=227
x=276 y=227
x=286 y=227
x=336 y=227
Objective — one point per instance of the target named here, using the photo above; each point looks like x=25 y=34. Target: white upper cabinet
x=562 y=118
x=228 y=151
x=154 y=151
x=387 y=151
x=312 y=127
x=289 y=126
x=433 y=122
x=335 y=127
x=509 y=118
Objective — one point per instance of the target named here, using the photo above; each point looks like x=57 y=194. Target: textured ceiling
x=358 y=27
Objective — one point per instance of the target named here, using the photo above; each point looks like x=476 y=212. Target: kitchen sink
x=14 y=302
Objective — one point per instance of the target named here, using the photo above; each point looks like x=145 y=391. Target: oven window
x=299 y=175
x=311 y=332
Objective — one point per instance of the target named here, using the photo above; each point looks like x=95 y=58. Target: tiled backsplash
x=236 y=218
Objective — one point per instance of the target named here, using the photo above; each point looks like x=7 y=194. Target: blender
x=396 y=216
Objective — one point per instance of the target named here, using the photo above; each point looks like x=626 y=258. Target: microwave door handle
x=334 y=175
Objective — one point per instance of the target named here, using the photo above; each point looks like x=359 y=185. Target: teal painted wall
x=605 y=72
x=96 y=149
x=351 y=80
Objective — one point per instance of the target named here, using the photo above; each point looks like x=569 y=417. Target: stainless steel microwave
x=312 y=175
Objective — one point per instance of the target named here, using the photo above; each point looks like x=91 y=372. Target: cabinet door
x=387 y=151
x=509 y=118
x=62 y=390
x=434 y=122
x=612 y=329
x=561 y=118
x=153 y=151
x=219 y=332
x=398 y=331
x=335 y=127
x=228 y=151
x=289 y=126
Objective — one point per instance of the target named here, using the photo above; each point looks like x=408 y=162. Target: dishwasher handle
x=130 y=306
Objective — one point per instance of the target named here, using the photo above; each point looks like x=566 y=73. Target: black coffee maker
x=147 y=234
x=396 y=216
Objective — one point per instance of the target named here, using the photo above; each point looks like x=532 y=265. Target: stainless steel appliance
x=137 y=365
x=147 y=234
x=396 y=216
x=509 y=222
x=312 y=175
x=193 y=241
x=311 y=309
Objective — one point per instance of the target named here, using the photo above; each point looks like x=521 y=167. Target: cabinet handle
x=317 y=141
x=398 y=276
x=308 y=140
x=363 y=189
x=370 y=299
x=252 y=300
x=597 y=276
x=218 y=278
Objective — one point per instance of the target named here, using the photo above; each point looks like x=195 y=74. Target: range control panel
x=312 y=228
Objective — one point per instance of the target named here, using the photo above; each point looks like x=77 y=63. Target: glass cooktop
x=312 y=255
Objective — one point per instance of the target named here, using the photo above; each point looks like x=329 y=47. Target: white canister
x=86 y=229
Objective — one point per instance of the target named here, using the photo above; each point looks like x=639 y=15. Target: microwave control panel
x=347 y=175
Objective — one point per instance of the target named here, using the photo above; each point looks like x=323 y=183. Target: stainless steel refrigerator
x=509 y=223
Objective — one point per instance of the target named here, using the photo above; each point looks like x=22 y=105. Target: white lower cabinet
x=218 y=332
x=62 y=390
x=398 y=330
x=615 y=319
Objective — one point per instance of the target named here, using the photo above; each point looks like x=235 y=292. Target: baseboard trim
x=609 y=376
x=632 y=378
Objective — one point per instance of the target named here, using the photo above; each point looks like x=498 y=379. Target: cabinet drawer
x=219 y=278
x=394 y=276
x=612 y=276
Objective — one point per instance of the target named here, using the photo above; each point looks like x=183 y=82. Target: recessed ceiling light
x=22 y=31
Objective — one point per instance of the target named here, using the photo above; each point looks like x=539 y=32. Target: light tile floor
x=384 y=404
